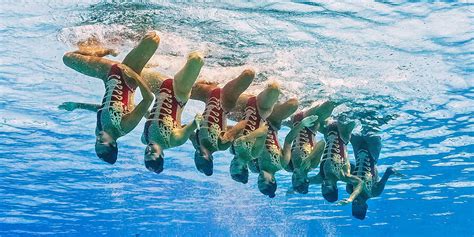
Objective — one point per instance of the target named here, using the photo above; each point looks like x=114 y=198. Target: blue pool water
x=403 y=71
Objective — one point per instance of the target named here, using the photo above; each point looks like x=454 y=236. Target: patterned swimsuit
x=254 y=121
x=273 y=149
x=335 y=150
x=163 y=117
x=214 y=121
x=116 y=103
x=365 y=168
x=304 y=142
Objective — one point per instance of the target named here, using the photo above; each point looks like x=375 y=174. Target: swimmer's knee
x=195 y=58
x=273 y=86
x=152 y=37
x=293 y=103
x=286 y=109
x=248 y=73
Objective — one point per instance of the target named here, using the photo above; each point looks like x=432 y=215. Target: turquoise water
x=403 y=71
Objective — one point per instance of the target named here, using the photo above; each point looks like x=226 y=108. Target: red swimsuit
x=272 y=149
x=163 y=117
x=272 y=139
x=214 y=119
x=304 y=142
x=252 y=115
x=335 y=148
x=117 y=101
x=254 y=120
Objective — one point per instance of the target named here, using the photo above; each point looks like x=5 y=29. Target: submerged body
x=335 y=165
x=214 y=134
x=274 y=157
x=251 y=141
x=117 y=115
x=366 y=152
x=163 y=129
x=305 y=151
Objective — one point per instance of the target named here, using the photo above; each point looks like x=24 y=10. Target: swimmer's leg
x=257 y=149
x=180 y=135
x=153 y=78
x=233 y=89
x=70 y=106
x=374 y=144
x=259 y=132
x=380 y=186
x=139 y=56
x=93 y=47
x=323 y=110
x=89 y=62
x=267 y=99
x=282 y=111
x=345 y=130
x=201 y=90
x=185 y=78
x=232 y=132
x=316 y=154
x=317 y=179
x=259 y=144
x=131 y=120
x=241 y=105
